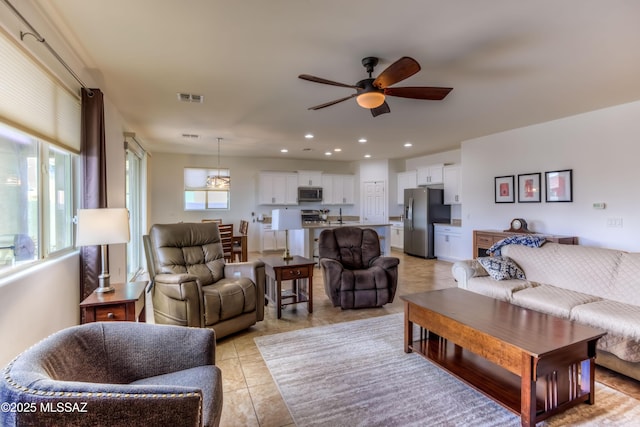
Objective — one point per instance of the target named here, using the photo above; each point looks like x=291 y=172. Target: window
x=36 y=198
x=197 y=196
x=135 y=182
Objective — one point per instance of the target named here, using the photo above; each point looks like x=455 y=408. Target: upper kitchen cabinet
x=309 y=179
x=452 y=185
x=406 y=179
x=429 y=175
x=338 y=189
x=278 y=188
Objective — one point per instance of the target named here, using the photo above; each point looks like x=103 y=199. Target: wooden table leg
x=310 y=293
x=278 y=298
x=527 y=392
x=408 y=329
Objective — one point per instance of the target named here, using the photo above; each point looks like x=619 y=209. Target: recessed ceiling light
x=337 y=150
x=328 y=153
x=366 y=156
x=309 y=136
x=284 y=150
x=408 y=144
x=362 y=140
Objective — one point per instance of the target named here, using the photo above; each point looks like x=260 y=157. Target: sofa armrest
x=253 y=270
x=464 y=270
x=180 y=292
x=385 y=262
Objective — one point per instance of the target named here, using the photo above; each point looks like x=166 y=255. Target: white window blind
x=32 y=99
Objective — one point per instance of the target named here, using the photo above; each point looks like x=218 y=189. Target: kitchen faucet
x=340 y=217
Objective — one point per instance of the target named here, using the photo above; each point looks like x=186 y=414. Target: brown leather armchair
x=192 y=284
x=355 y=275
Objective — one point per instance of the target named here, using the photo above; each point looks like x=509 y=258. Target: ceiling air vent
x=190 y=97
x=190 y=136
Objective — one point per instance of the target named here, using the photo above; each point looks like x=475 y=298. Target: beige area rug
x=357 y=374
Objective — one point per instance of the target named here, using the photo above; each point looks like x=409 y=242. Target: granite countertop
x=345 y=224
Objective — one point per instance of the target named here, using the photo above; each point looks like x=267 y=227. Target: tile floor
x=251 y=397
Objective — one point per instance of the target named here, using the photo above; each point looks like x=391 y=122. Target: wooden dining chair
x=238 y=249
x=226 y=237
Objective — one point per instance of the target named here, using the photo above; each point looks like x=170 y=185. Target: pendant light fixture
x=218 y=182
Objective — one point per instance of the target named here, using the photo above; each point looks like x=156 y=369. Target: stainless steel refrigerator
x=422 y=208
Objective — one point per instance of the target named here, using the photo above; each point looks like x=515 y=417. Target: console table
x=484 y=239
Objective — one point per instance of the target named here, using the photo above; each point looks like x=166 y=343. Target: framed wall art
x=529 y=188
x=504 y=189
x=559 y=186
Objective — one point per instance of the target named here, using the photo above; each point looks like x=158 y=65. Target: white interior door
x=374 y=202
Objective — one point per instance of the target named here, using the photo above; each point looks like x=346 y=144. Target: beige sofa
x=594 y=286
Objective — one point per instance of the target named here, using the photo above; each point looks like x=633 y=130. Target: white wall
x=602 y=147
x=36 y=303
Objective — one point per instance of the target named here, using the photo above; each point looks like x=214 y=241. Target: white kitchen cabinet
x=448 y=244
x=309 y=178
x=278 y=188
x=406 y=179
x=397 y=237
x=338 y=189
x=429 y=175
x=271 y=240
x=452 y=185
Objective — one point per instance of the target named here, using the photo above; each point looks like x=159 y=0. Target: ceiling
x=511 y=64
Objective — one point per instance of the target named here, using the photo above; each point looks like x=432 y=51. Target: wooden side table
x=126 y=303
x=296 y=269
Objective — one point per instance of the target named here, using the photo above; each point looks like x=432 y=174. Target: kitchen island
x=305 y=242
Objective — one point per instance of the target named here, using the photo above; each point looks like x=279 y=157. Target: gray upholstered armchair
x=355 y=275
x=115 y=374
x=193 y=286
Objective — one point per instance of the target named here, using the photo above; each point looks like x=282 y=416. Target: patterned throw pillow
x=501 y=268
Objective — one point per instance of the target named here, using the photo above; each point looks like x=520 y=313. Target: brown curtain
x=94 y=180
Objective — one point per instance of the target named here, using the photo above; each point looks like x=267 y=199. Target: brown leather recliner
x=192 y=284
x=355 y=275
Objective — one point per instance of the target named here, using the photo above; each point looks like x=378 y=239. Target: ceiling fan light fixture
x=370 y=99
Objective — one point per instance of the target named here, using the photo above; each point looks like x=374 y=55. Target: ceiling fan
x=371 y=93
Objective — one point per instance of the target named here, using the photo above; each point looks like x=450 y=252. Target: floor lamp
x=102 y=227
x=286 y=219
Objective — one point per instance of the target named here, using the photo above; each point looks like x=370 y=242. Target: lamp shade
x=102 y=226
x=286 y=219
x=371 y=99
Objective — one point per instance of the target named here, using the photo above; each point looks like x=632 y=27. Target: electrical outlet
x=599 y=205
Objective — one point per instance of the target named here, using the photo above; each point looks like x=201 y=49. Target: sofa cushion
x=583 y=269
x=501 y=268
x=616 y=317
x=501 y=289
x=551 y=299
x=228 y=298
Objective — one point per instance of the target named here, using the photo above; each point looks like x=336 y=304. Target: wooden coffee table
x=534 y=364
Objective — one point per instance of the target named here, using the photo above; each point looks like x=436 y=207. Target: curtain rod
x=41 y=39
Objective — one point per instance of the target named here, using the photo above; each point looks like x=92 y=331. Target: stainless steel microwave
x=309 y=194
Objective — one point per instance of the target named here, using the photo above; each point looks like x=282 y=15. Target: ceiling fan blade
x=324 y=81
x=432 y=93
x=330 y=103
x=403 y=68
x=382 y=109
